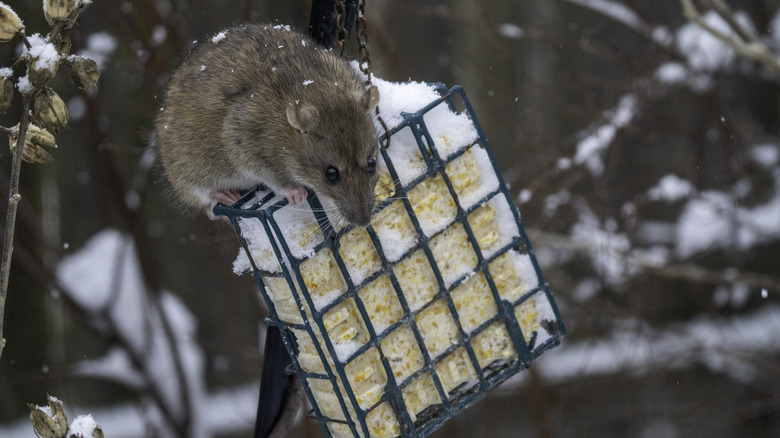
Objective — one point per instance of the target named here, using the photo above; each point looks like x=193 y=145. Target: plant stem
x=10 y=221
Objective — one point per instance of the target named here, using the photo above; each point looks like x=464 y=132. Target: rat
x=263 y=104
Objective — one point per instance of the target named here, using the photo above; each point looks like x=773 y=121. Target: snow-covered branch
x=616 y=249
x=740 y=39
x=738 y=347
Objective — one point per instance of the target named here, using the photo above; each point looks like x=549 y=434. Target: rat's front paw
x=296 y=195
x=226 y=197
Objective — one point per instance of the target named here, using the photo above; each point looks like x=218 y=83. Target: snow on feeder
x=395 y=328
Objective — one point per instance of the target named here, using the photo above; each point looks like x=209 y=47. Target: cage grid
x=386 y=405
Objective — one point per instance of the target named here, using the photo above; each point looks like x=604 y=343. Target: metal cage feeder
x=395 y=328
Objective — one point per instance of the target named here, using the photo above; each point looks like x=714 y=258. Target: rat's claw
x=297 y=195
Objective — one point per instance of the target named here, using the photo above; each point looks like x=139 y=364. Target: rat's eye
x=332 y=174
x=371 y=164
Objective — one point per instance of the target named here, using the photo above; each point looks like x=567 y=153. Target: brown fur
x=224 y=121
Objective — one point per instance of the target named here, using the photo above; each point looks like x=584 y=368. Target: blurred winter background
x=643 y=150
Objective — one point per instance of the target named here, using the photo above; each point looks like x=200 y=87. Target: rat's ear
x=369 y=100
x=303 y=118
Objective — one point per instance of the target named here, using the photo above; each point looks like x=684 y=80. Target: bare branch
x=10 y=219
x=752 y=48
x=727 y=14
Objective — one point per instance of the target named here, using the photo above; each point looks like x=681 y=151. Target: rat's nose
x=358 y=212
x=361 y=221
x=359 y=217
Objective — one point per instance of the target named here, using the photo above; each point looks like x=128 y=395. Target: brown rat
x=263 y=104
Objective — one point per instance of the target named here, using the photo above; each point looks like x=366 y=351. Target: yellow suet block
x=359 y=254
x=528 y=318
x=453 y=253
x=416 y=279
x=382 y=422
x=474 y=302
x=484 y=226
x=402 y=351
x=381 y=303
x=463 y=173
x=322 y=277
x=493 y=344
x=282 y=297
x=367 y=378
x=344 y=323
x=455 y=369
x=432 y=204
x=420 y=394
x=437 y=328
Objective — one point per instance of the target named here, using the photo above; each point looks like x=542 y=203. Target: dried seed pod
x=40 y=137
x=34 y=154
x=44 y=60
x=63 y=12
x=49 y=110
x=43 y=425
x=6 y=88
x=34 y=141
x=57 y=11
x=62 y=43
x=39 y=77
x=51 y=421
x=84 y=72
x=10 y=24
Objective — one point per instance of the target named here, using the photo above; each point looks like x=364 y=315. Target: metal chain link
x=363 y=56
x=341 y=28
x=365 y=60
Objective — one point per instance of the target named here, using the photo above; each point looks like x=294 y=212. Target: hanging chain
x=364 y=59
x=363 y=56
x=341 y=27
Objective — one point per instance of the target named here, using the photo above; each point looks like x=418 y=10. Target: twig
x=750 y=48
x=727 y=14
x=59 y=30
x=699 y=274
x=10 y=222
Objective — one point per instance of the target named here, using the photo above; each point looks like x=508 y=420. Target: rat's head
x=340 y=152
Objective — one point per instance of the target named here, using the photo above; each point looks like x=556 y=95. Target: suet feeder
x=397 y=327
